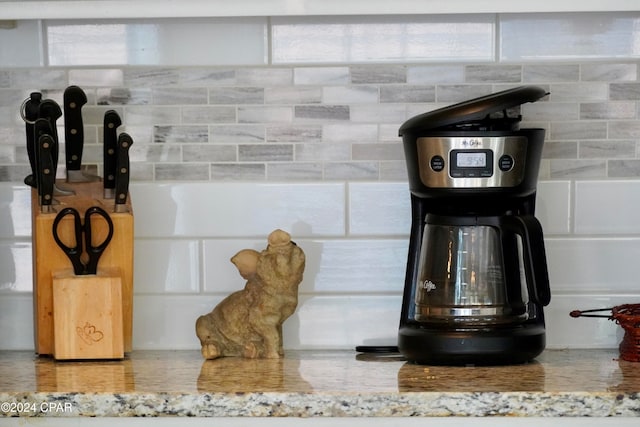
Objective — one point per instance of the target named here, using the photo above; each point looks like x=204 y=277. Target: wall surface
x=243 y=125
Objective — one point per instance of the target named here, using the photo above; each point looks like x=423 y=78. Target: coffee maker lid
x=475 y=114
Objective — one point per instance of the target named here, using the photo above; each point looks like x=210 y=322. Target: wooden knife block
x=50 y=261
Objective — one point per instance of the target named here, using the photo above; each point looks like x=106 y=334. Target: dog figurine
x=248 y=323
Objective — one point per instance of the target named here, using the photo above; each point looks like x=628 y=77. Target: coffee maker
x=476 y=279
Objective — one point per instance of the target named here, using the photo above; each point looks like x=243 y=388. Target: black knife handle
x=110 y=132
x=74 y=99
x=40 y=127
x=50 y=110
x=46 y=171
x=122 y=173
x=31 y=108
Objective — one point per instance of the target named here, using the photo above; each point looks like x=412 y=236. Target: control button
x=505 y=163
x=437 y=163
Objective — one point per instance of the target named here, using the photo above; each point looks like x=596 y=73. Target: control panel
x=474 y=162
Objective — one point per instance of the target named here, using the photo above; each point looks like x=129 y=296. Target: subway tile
x=265 y=152
x=350 y=94
x=237 y=133
x=553 y=206
x=435 y=74
x=108 y=77
x=608 y=110
x=459 y=93
x=309 y=152
x=325 y=76
x=560 y=150
x=272 y=76
x=207 y=76
x=606 y=207
x=40 y=78
x=382 y=39
x=16 y=316
x=562 y=36
x=545 y=73
x=593 y=265
x=238 y=172
x=150 y=115
x=493 y=73
x=20 y=44
x=608 y=72
x=551 y=111
x=355 y=170
x=236 y=95
x=377 y=151
x=578 y=169
x=179 y=96
x=265 y=114
x=250 y=209
x=16 y=273
x=349 y=132
x=181 y=172
x=578 y=130
x=209 y=153
x=321 y=112
x=381 y=113
x=580 y=92
x=379 y=209
x=157 y=42
x=407 y=93
x=628 y=168
x=607 y=150
x=293 y=95
x=150 y=76
x=294 y=133
x=393 y=171
x=624 y=129
x=295 y=171
x=624 y=91
x=156 y=153
x=165 y=266
x=206 y=114
x=386 y=74
x=123 y=96
x=180 y=134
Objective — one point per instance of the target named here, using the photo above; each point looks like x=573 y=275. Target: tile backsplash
x=243 y=125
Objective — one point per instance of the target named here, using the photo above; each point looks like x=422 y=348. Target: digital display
x=471 y=160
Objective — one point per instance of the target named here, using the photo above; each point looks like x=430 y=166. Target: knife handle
x=74 y=99
x=110 y=148
x=46 y=172
x=122 y=174
x=31 y=108
x=50 y=110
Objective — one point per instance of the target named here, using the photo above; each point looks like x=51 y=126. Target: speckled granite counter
x=317 y=384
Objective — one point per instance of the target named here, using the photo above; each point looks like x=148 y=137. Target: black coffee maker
x=476 y=278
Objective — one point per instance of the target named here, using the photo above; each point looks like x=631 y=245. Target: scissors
x=75 y=253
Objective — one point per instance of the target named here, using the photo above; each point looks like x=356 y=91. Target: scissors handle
x=75 y=252
x=95 y=252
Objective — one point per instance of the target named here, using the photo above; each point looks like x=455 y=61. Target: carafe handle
x=535 y=259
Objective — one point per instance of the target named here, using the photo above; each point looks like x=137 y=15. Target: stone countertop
x=317 y=384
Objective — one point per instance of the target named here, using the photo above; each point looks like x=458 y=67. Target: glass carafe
x=462 y=278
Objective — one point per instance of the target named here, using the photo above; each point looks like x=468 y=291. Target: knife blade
x=122 y=172
x=46 y=172
x=110 y=136
x=31 y=108
x=74 y=98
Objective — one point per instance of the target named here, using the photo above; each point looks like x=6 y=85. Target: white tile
x=593 y=265
x=238 y=209
x=379 y=209
x=166 y=266
x=564 y=331
x=16 y=273
x=15 y=210
x=553 y=206
x=168 y=322
x=569 y=36
x=332 y=265
x=342 y=322
x=16 y=319
x=383 y=39
x=20 y=44
x=177 y=41
x=607 y=207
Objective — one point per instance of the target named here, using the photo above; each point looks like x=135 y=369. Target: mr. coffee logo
x=428 y=285
x=472 y=142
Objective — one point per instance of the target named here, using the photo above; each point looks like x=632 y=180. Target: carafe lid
x=475 y=114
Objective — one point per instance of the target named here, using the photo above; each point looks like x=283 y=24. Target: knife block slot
x=87 y=316
x=50 y=260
